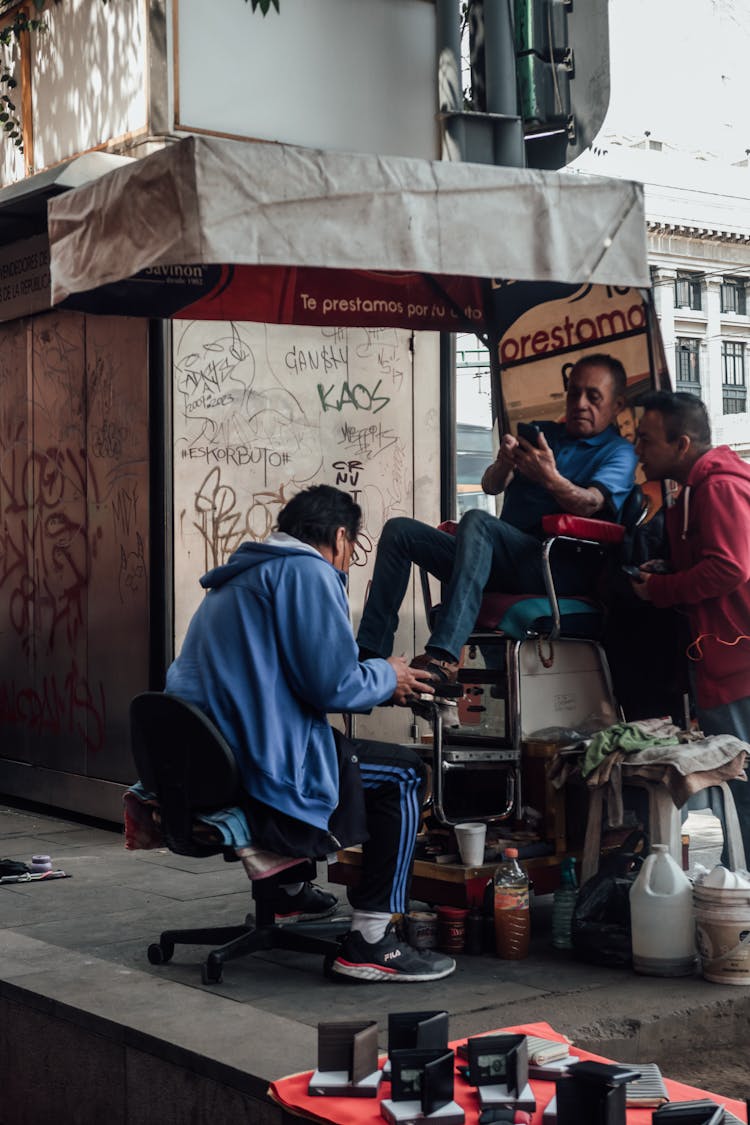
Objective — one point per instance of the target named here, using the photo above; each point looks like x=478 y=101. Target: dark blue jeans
x=485 y=554
x=731 y=718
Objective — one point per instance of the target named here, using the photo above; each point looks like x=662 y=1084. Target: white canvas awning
x=252 y=210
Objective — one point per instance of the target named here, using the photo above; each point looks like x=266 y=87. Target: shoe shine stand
x=347 y=1060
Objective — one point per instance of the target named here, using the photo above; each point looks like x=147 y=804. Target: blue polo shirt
x=605 y=460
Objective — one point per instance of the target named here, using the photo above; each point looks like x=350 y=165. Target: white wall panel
x=89 y=77
x=352 y=75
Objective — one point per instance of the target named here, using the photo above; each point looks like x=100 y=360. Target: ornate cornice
x=706 y=233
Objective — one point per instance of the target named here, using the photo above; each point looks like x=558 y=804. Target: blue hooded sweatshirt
x=268 y=653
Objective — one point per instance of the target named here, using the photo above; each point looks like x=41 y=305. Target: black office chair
x=186 y=763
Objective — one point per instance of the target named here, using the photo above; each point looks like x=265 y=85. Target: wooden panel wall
x=74 y=621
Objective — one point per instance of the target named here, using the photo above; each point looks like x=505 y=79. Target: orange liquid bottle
x=511 y=907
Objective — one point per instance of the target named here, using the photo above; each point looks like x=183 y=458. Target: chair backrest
x=634 y=509
x=185 y=761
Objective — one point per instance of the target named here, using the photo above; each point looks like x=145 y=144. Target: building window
x=733 y=387
x=687 y=356
x=733 y=296
x=687 y=291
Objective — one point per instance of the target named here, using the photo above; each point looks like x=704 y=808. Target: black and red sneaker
x=309 y=904
x=389 y=960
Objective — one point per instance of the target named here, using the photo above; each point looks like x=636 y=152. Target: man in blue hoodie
x=268 y=654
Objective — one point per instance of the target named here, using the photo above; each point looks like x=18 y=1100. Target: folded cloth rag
x=260 y=864
x=628 y=737
x=700 y=754
x=13 y=867
x=143 y=822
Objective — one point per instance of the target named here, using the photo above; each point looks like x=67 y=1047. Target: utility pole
x=493 y=135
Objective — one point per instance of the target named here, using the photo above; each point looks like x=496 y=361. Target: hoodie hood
x=720 y=461
x=249 y=555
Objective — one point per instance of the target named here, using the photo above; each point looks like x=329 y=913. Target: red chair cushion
x=578 y=527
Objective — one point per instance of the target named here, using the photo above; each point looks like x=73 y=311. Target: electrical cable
x=696 y=644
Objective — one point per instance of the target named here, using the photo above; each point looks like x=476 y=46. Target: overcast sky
x=680 y=69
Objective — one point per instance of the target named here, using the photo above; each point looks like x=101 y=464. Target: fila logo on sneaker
x=391 y=956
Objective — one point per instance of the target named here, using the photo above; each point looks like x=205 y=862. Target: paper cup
x=470 y=838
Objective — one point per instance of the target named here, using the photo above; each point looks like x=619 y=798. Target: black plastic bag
x=601 y=917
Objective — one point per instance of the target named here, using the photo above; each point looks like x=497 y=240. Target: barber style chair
x=185 y=762
x=533 y=664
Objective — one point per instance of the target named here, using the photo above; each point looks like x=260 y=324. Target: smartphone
x=633 y=572
x=530 y=431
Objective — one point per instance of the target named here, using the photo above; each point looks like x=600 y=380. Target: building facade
x=699 y=254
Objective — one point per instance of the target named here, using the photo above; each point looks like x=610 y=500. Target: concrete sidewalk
x=75 y=984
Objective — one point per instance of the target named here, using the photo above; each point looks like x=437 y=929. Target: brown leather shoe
x=443 y=674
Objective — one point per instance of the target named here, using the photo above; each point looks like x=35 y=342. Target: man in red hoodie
x=709 y=541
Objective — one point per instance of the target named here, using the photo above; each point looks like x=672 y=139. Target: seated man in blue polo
x=581 y=466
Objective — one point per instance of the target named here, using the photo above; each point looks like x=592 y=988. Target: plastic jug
x=661 y=917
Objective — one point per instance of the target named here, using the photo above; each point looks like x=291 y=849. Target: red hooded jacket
x=709 y=539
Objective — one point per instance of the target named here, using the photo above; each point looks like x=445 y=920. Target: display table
x=452 y=884
x=291 y=1093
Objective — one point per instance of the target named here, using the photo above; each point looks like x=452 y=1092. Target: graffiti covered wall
x=262 y=411
x=73 y=544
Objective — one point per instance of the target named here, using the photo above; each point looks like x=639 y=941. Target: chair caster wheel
x=159 y=954
x=211 y=972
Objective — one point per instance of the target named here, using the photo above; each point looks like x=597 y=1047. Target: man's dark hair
x=314 y=514
x=683 y=413
x=615 y=368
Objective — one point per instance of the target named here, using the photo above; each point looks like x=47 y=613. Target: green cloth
x=622 y=736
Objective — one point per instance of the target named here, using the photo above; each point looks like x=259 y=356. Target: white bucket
x=722 y=932
x=661 y=918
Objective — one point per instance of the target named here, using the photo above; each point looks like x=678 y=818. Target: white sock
x=292 y=888
x=370 y=923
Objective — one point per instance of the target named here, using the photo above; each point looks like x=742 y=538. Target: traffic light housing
x=544 y=65
x=562 y=69
x=560 y=50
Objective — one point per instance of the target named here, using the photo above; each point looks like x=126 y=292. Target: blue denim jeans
x=731 y=718
x=485 y=554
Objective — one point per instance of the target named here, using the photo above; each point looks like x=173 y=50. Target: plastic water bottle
x=511 y=908
x=563 y=904
x=661 y=917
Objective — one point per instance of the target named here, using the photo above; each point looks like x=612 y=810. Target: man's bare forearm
x=497 y=477
x=571 y=498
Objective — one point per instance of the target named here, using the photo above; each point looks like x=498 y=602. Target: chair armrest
x=565 y=528
x=578 y=527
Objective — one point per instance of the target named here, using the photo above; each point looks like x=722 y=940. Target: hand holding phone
x=635 y=573
x=530 y=432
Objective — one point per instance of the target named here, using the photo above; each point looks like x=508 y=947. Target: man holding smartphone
x=581 y=466
x=709 y=579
